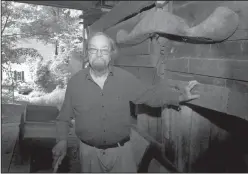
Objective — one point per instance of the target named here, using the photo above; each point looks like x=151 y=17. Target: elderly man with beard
x=98 y=98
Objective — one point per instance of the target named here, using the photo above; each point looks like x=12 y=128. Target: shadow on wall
x=229 y=154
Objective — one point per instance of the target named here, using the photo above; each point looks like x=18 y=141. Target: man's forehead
x=99 y=41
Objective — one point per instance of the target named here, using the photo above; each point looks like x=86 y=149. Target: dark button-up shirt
x=102 y=116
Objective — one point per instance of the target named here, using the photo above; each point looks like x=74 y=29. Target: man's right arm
x=65 y=115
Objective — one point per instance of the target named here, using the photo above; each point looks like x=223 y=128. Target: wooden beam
x=125 y=25
x=195 y=12
x=33 y=130
x=119 y=12
x=77 y=5
x=240 y=34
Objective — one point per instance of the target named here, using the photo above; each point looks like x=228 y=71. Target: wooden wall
x=208 y=134
x=211 y=134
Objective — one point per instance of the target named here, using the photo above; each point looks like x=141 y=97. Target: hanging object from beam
x=220 y=25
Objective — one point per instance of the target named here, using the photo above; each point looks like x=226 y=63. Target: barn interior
x=177 y=41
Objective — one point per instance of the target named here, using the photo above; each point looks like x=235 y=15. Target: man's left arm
x=162 y=94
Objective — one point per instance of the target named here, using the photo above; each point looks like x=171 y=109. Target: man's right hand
x=59 y=152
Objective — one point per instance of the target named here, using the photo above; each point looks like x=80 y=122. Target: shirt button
x=102 y=106
x=102 y=94
x=104 y=130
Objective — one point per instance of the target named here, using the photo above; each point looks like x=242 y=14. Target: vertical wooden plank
x=159 y=129
x=174 y=120
x=166 y=129
x=152 y=126
x=142 y=122
x=215 y=156
x=184 y=125
x=199 y=139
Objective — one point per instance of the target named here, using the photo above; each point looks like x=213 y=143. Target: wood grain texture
x=184 y=126
x=199 y=138
x=166 y=129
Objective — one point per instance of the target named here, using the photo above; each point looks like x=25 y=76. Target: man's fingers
x=195 y=96
x=56 y=152
x=57 y=163
x=192 y=84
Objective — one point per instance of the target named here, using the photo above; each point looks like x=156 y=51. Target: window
x=18 y=75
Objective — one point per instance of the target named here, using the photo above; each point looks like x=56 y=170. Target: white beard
x=99 y=65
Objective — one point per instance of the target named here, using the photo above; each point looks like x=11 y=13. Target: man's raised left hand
x=186 y=93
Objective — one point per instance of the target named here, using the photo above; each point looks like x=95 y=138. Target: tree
x=13 y=18
x=56 y=25
x=48 y=24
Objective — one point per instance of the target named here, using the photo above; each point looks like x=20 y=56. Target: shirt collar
x=87 y=75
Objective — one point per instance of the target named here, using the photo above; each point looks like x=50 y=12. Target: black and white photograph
x=124 y=86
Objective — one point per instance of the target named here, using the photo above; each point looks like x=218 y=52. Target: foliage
x=43 y=78
x=13 y=18
x=55 y=25
x=48 y=24
x=55 y=98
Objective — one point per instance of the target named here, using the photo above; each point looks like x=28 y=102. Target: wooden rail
x=153 y=151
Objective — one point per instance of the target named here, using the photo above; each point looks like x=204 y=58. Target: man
x=98 y=98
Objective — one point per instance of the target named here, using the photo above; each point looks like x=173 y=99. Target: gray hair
x=113 y=46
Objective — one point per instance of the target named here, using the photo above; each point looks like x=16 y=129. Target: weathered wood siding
x=209 y=134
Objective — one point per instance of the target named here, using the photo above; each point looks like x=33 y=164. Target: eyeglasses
x=102 y=51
